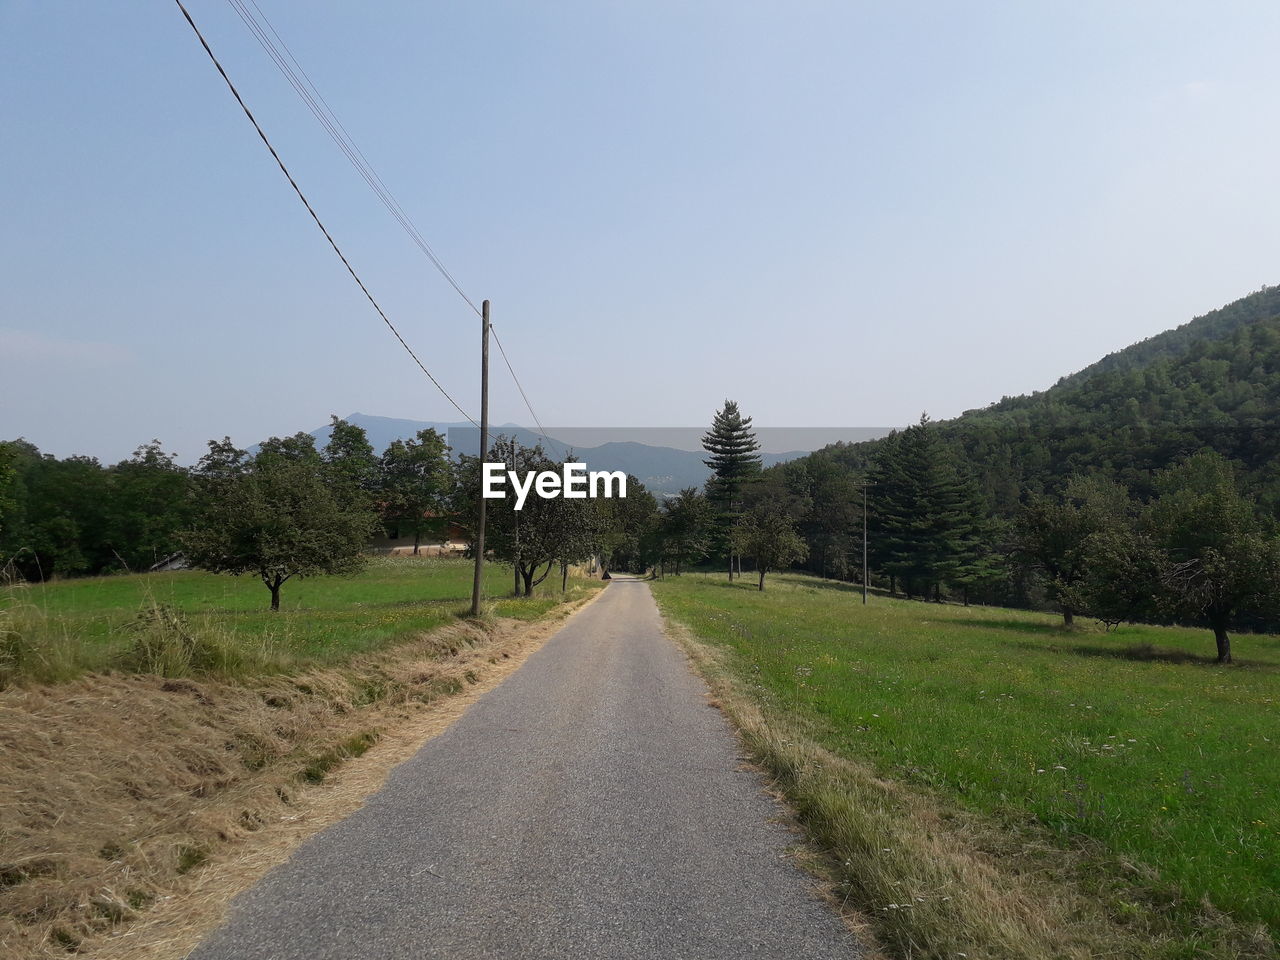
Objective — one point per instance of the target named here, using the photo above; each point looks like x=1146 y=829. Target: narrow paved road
x=592 y=807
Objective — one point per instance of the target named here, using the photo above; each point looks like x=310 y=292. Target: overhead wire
x=502 y=350
x=311 y=210
x=300 y=80
x=302 y=84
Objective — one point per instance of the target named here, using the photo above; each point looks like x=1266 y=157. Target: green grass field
x=72 y=626
x=1167 y=764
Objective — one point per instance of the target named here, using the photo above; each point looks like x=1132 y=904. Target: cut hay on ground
x=132 y=808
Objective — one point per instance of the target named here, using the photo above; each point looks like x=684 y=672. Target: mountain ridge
x=663 y=470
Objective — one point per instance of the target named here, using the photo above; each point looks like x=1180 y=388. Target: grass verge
x=192 y=623
x=120 y=792
x=916 y=748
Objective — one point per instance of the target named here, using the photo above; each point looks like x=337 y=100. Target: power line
x=306 y=203
x=502 y=350
x=300 y=80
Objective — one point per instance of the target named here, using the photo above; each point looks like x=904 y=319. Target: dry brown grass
x=132 y=808
x=933 y=881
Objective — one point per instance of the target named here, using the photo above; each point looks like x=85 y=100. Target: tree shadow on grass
x=1144 y=653
x=1019 y=626
x=818 y=583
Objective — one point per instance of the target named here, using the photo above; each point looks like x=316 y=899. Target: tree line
x=293 y=509
x=1191 y=544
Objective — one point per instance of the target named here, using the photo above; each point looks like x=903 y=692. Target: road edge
x=177 y=924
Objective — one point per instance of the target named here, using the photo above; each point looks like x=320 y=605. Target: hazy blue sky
x=837 y=213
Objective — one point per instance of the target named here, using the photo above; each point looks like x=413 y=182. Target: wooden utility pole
x=515 y=519
x=478 y=580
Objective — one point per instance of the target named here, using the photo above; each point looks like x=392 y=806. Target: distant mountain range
x=663 y=470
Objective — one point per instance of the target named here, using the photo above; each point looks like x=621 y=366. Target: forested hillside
x=1211 y=384
x=1215 y=325
x=1144 y=487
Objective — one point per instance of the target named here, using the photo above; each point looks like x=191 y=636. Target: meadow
x=1130 y=746
x=53 y=632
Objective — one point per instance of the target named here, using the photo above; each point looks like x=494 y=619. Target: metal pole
x=864 y=544
x=478 y=580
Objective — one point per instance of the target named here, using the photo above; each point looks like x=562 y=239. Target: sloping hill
x=1215 y=325
x=1213 y=383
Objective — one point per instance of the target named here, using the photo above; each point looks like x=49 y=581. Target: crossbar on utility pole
x=478 y=580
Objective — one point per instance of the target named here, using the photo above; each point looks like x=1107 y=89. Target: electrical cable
x=306 y=203
x=314 y=100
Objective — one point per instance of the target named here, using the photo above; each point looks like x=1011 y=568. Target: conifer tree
x=732 y=456
x=927 y=524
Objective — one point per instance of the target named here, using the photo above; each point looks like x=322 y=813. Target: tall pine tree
x=927 y=523
x=732 y=456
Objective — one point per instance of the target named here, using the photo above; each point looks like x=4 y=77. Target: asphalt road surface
x=592 y=806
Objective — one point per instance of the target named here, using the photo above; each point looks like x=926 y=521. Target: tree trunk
x=274 y=587
x=515 y=568
x=564 y=575
x=1068 y=617
x=1224 y=642
x=762 y=578
x=893 y=584
x=731 y=568
x=416 y=538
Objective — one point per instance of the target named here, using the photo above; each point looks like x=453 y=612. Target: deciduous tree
x=1054 y=535
x=686 y=527
x=415 y=482
x=277 y=515
x=769 y=538
x=1221 y=558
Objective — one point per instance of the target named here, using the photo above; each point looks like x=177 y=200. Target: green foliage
x=415 y=483
x=1220 y=324
x=1221 y=559
x=150 y=502
x=1054 y=535
x=685 y=527
x=926 y=519
x=279 y=515
x=547 y=530
x=1212 y=385
x=831 y=518
x=1123 y=579
x=768 y=536
x=630 y=533
x=731 y=454
x=73 y=516
x=8 y=486
x=352 y=468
